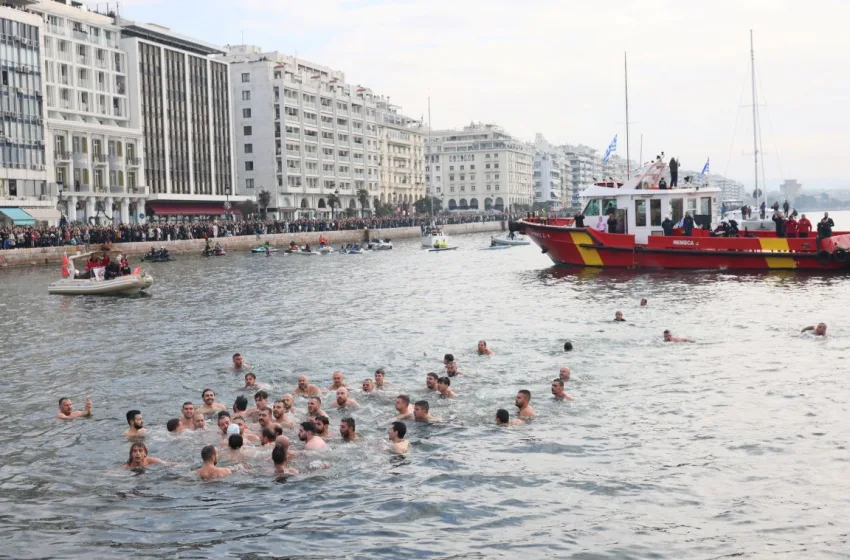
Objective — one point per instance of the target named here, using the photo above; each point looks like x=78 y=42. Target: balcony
x=134 y=161
x=62 y=156
x=99 y=159
x=81 y=35
x=64 y=55
x=82 y=59
x=101 y=63
x=55 y=29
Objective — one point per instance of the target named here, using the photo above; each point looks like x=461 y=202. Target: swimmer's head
x=174 y=425
x=568 y=346
x=502 y=417
x=820 y=330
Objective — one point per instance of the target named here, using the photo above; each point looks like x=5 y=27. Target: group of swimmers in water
x=263 y=425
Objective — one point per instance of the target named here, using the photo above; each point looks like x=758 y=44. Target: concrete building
x=23 y=158
x=184 y=113
x=586 y=166
x=790 y=189
x=302 y=134
x=401 y=143
x=552 y=175
x=479 y=167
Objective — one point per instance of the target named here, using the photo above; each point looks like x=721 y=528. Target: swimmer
x=643 y=302
x=188 y=418
x=396 y=433
x=239 y=361
x=240 y=405
x=431 y=381
x=234 y=449
x=174 y=426
x=503 y=418
x=670 y=338
x=251 y=382
x=817 y=330
x=314 y=407
x=308 y=435
x=558 y=391
x=380 y=374
x=564 y=373
x=403 y=407
x=342 y=399
x=279 y=414
x=209 y=455
x=289 y=404
x=568 y=346
x=618 y=317
x=210 y=406
x=523 y=403
x=223 y=421
x=279 y=458
x=199 y=422
x=243 y=429
x=138 y=458
x=322 y=426
x=368 y=386
x=268 y=437
x=420 y=412
x=448 y=358
x=67 y=412
x=304 y=388
x=137 y=424
x=348 y=429
x=483 y=350
x=338 y=381
x=443 y=385
x=451 y=369
x=264 y=418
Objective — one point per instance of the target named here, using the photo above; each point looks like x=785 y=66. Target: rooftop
x=164 y=36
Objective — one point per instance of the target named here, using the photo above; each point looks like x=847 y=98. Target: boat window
x=655 y=212
x=705 y=206
x=609 y=205
x=692 y=206
x=640 y=213
x=678 y=209
x=592 y=208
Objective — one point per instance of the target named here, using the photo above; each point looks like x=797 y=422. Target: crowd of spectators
x=79 y=234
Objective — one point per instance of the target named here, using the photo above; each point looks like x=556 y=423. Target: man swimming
x=239 y=361
x=448 y=358
x=188 y=418
x=443 y=387
x=817 y=330
x=314 y=407
x=279 y=414
x=523 y=403
x=503 y=418
x=380 y=381
x=209 y=455
x=252 y=384
x=322 y=426
x=668 y=337
x=138 y=458
x=343 y=400
x=210 y=406
x=564 y=373
x=289 y=404
x=279 y=458
x=643 y=302
x=137 y=424
x=348 y=429
x=396 y=433
x=174 y=426
x=308 y=434
x=618 y=317
x=199 y=422
x=483 y=350
x=338 y=381
x=431 y=381
x=368 y=386
x=451 y=369
x=420 y=412
x=558 y=391
x=223 y=421
x=243 y=429
x=403 y=407
x=305 y=389
x=240 y=405
x=67 y=412
x=261 y=401
x=268 y=437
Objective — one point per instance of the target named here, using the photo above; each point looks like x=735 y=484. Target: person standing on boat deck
x=804 y=227
x=667 y=226
x=674 y=172
x=688 y=224
x=579 y=219
x=777 y=219
x=786 y=206
x=825 y=226
x=762 y=210
x=612 y=223
x=600 y=224
x=791 y=227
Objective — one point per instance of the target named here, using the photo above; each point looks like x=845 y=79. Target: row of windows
x=14 y=155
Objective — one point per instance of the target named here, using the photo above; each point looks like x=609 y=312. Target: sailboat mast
x=755 y=117
x=430 y=164
x=628 y=154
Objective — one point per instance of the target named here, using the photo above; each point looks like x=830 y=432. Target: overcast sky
x=556 y=67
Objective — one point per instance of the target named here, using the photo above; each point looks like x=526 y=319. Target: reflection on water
x=735 y=444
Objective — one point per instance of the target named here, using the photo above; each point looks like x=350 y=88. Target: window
x=655 y=212
x=291 y=111
x=246 y=113
x=249 y=183
x=640 y=213
x=705 y=206
x=451 y=168
x=246 y=95
x=246 y=130
x=246 y=77
x=249 y=166
x=592 y=208
x=249 y=148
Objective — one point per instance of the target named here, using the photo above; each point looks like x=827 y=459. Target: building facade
x=586 y=166
x=790 y=189
x=184 y=113
x=401 y=161
x=303 y=135
x=479 y=167
x=552 y=175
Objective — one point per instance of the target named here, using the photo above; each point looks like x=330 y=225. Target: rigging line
x=770 y=124
x=737 y=118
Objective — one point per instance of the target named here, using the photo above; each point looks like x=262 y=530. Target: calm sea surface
x=734 y=445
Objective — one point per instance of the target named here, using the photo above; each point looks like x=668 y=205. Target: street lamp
x=336 y=202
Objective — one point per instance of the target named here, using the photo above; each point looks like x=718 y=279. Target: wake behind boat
x=101 y=277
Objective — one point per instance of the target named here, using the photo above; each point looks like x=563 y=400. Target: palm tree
x=363 y=197
x=264 y=199
x=333 y=202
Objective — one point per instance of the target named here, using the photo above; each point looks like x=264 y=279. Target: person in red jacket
x=791 y=227
x=804 y=227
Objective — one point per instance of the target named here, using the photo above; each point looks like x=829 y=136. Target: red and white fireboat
x=639 y=241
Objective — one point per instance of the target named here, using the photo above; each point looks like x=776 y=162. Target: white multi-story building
x=401 y=143
x=479 y=167
x=552 y=175
x=302 y=134
x=586 y=167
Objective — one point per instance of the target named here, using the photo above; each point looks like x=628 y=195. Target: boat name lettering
x=683 y=242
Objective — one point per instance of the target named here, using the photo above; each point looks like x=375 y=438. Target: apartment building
x=401 y=142
x=552 y=175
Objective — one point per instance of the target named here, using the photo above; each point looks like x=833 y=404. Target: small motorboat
x=439 y=249
x=380 y=244
x=94 y=281
x=157 y=255
x=432 y=235
x=305 y=253
x=510 y=239
x=215 y=252
x=495 y=248
x=325 y=250
x=262 y=249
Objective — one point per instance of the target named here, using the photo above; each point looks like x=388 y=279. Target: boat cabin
x=640 y=205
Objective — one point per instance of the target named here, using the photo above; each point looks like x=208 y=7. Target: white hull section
x=131 y=284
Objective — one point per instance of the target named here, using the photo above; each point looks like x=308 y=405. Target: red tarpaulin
x=162 y=208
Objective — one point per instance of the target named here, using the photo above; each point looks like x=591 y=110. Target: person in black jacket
x=688 y=224
x=579 y=219
x=612 y=223
x=674 y=172
x=667 y=226
x=780 y=224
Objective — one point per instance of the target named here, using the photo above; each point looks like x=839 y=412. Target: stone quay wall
x=53 y=255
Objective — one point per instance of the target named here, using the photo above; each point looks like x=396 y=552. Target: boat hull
x=123 y=285
x=585 y=247
x=509 y=242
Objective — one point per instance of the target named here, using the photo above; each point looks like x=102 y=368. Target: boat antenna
x=430 y=194
x=628 y=155
x=755 y=117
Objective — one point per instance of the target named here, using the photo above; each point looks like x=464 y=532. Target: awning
x=18 y=216
x=51 y=215
x=162 y=208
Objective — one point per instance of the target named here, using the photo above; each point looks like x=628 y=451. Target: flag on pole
x=704 y=171
x=612 y=147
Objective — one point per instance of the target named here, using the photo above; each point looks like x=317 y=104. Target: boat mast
x=628 y=155
x=755 y=118
x=430 y=164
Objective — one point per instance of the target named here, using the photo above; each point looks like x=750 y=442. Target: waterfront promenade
x=53 y=255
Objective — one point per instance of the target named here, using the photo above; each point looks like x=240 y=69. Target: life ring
x=823 y=257
x=840 y=256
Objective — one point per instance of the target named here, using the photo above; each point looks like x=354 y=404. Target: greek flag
x=704 y=171
x=612 y=147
